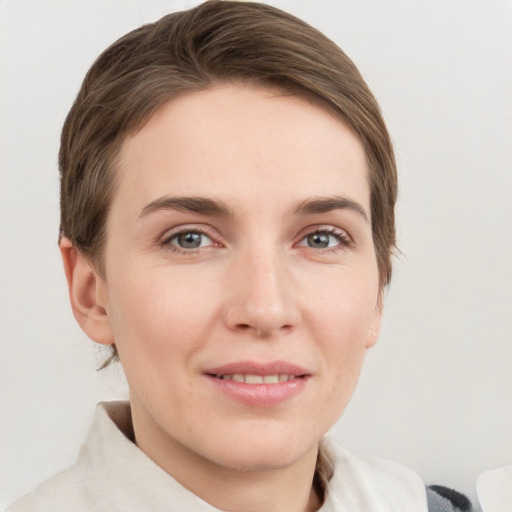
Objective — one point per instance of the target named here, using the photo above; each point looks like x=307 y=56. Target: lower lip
x=260 y=395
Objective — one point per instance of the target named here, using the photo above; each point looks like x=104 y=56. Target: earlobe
x=373 y=334
x=86 y=294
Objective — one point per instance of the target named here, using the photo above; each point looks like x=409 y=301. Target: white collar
x=369 y=484
x=122 y=473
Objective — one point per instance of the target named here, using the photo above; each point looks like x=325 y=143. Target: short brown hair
x=219 y=41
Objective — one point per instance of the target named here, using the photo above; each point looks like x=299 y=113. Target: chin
x=265 y=450
x=259 y=461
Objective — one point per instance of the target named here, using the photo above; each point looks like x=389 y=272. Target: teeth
x=253 y=379
x=250 y=378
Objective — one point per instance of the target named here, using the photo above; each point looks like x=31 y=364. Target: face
x=241 y=284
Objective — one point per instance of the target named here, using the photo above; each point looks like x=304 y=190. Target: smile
x=251 y=378
x=257 y=384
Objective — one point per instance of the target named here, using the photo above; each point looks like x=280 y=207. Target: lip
x=259 y=395
x=258 y=368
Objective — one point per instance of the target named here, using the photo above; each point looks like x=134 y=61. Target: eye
x=326 y=238
x=321 y=240
x=189 y=240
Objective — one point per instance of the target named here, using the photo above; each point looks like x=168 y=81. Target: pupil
x=318 y=240
x=189 y=240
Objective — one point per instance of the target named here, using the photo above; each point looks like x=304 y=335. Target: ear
x=86 y=294
x=373 y=334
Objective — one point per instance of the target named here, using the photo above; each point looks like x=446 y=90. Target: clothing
x=444 y=499
x=494 y=489
x=112 y=474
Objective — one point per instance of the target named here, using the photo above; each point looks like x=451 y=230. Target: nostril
x=263 y=331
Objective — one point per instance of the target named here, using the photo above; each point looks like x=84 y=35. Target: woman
x=227 y=224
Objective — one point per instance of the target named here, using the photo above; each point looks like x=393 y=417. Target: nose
x=262 y=299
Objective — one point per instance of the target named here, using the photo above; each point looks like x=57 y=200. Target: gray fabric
x=436 y=503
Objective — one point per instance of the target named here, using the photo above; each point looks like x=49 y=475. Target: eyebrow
x=216 y=208
x=327 y=204
x=201 y=205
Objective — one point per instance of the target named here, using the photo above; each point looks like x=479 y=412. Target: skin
x=260 y=287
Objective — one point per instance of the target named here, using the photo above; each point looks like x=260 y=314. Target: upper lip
x=258 y=368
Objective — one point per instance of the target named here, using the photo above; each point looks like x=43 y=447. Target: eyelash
x=340 y=235
x=167 y=240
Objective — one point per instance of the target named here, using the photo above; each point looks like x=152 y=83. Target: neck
x=287 y=488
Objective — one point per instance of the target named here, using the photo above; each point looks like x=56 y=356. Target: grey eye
x=189 y=240
x=320 y=240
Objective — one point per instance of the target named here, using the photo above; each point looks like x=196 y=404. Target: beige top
x=112 y=474
x=494 y=489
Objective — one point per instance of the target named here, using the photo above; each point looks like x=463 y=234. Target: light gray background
x=435 y=392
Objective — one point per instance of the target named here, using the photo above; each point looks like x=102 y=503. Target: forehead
x=240 y=143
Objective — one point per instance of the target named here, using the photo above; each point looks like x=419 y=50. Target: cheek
x=342 y=313
x=344 y=307
x=159 y=313
x=344 y=348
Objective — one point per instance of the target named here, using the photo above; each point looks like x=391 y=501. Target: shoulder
x=494 y=489
x=64 y=491
x=358 y=482
x=76 y=488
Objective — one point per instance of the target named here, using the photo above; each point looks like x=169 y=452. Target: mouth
x=251 y=372
x=259 y=384
x=252 y=378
